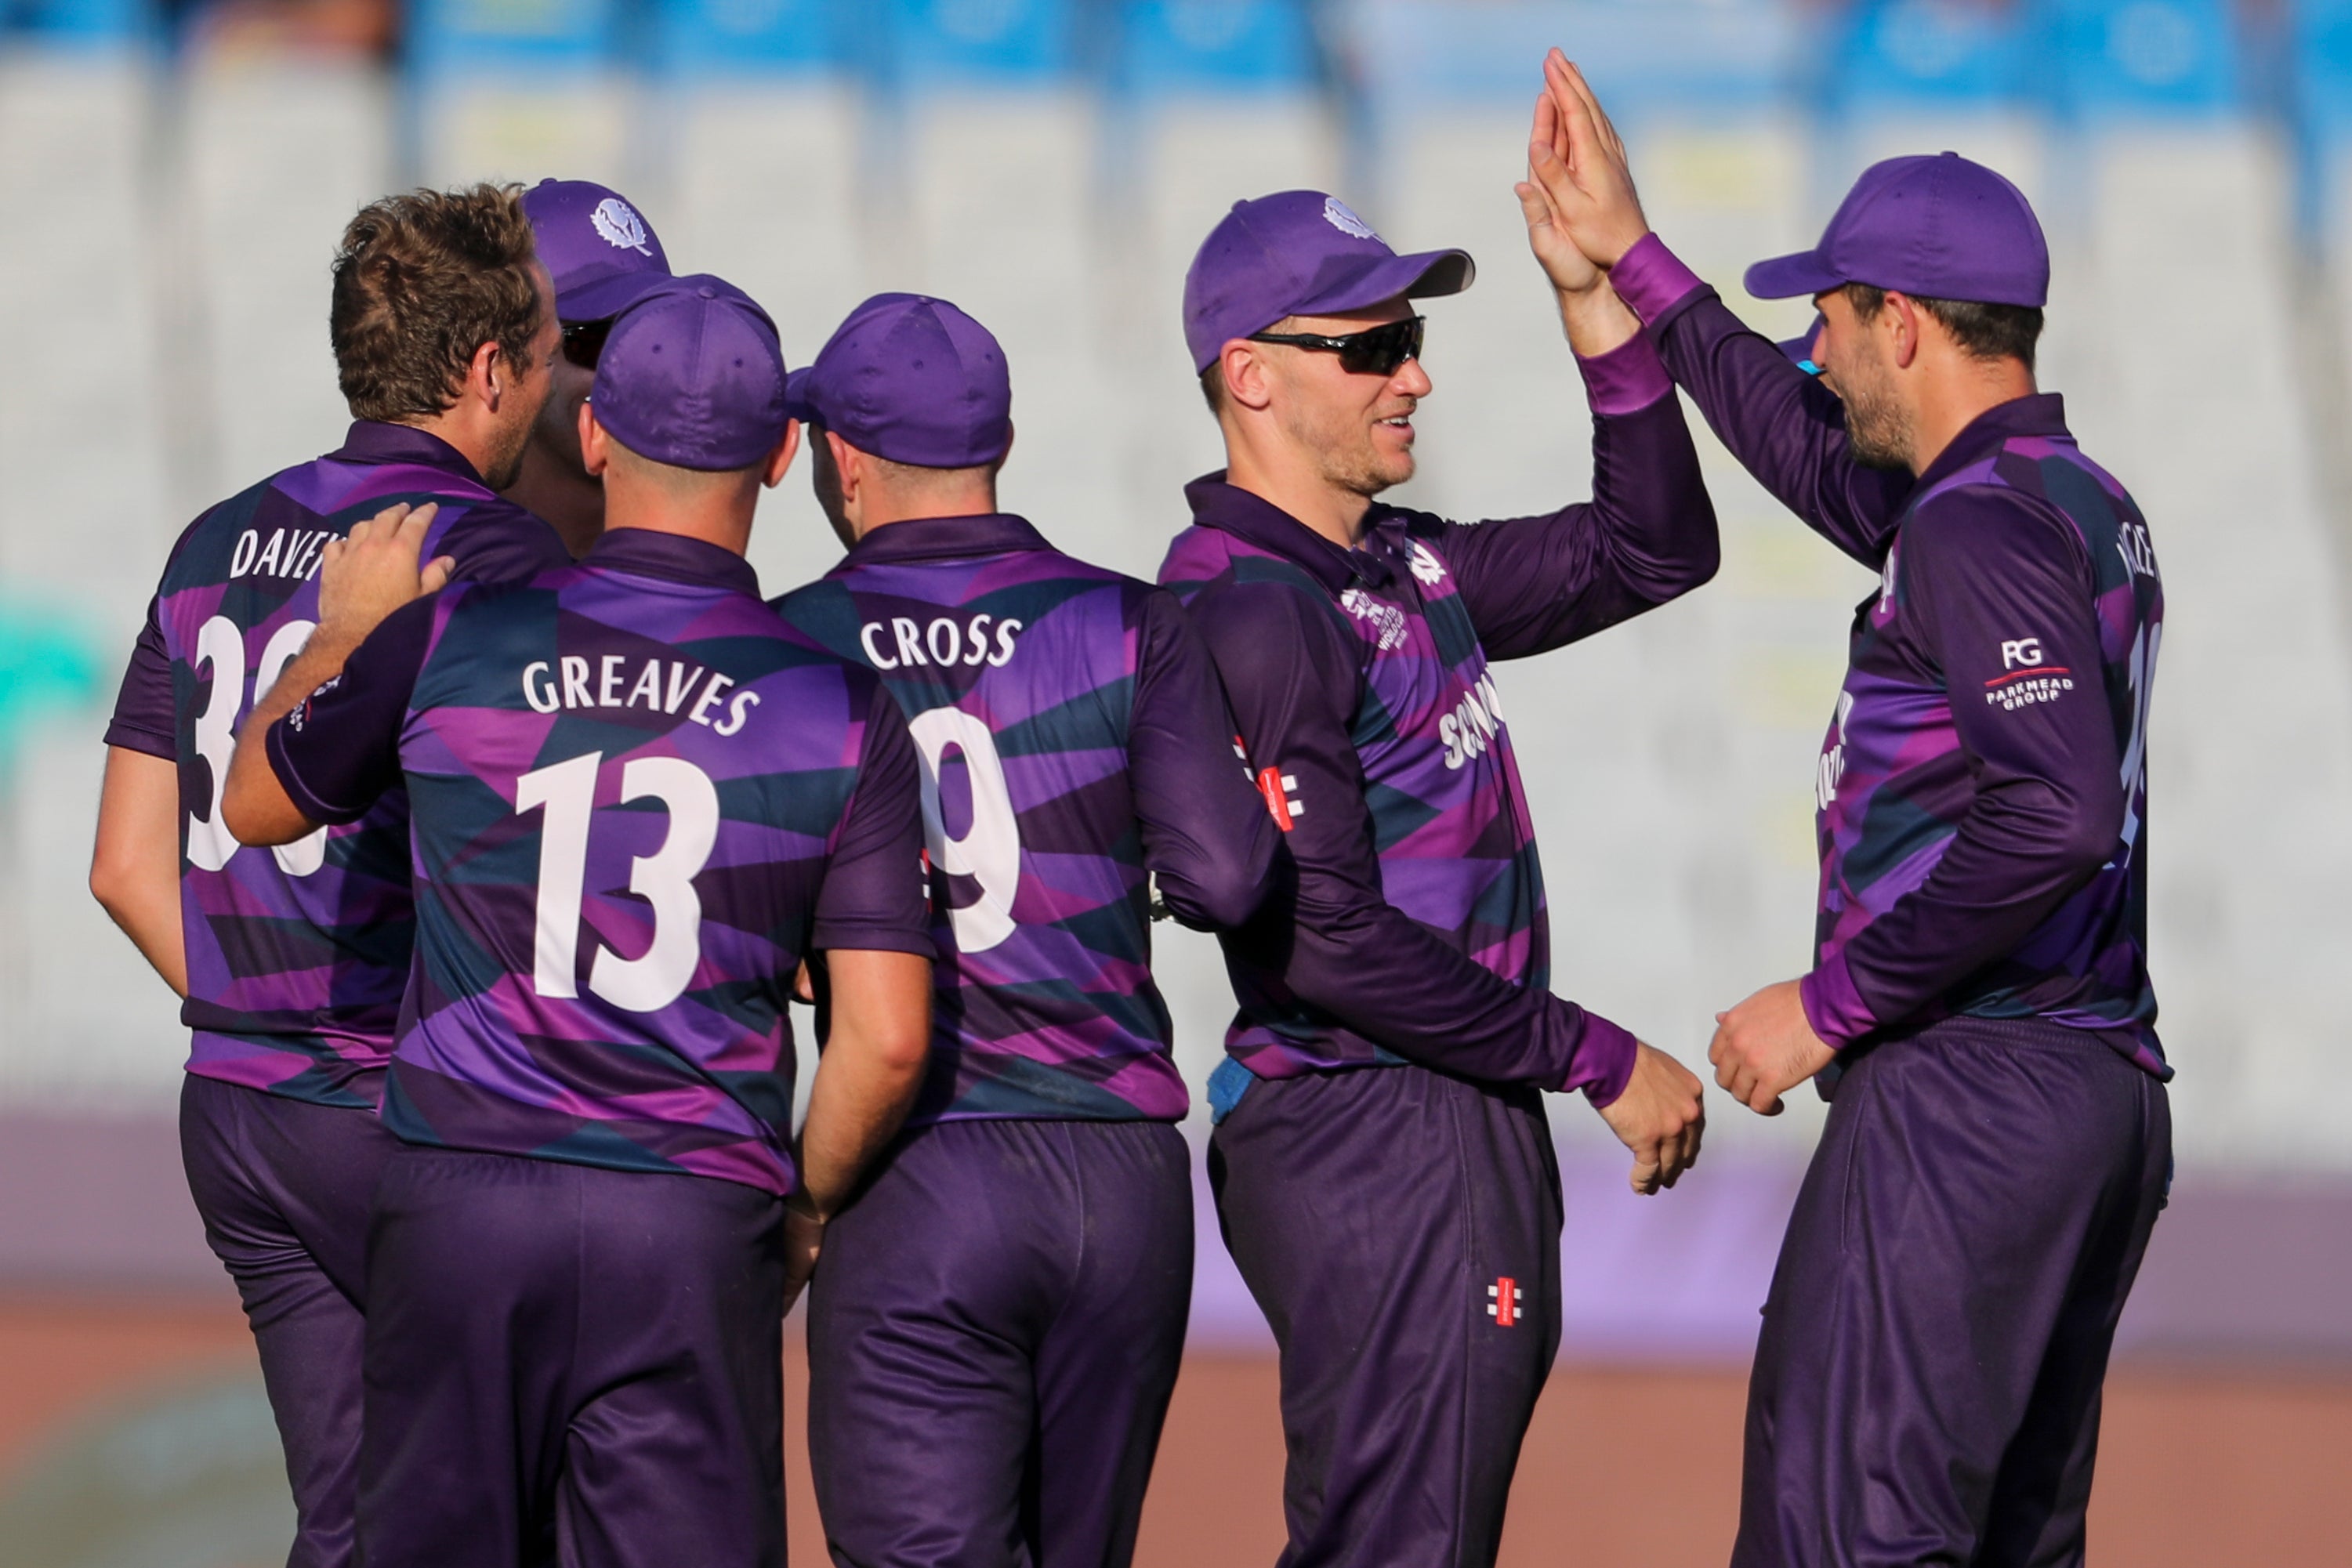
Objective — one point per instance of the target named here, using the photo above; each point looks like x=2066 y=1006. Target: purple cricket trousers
x=570 y=1363
x=994 y=1329
x=283 y=1186
x=1926 y=1385
x=1400 y=1230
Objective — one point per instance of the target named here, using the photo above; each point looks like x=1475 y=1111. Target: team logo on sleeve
x=1505 y=1303
x=618 y=225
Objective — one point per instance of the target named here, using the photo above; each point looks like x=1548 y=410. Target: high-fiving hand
x=1579 y=187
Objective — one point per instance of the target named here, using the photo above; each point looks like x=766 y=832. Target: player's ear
x=780 y=461
x=595 y=446
x=1246 y=382
x=848 y=466
x=486 y=372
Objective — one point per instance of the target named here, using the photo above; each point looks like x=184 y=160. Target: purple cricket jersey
x=1983 y=786
x=1074 y=742
x=297 y=955
x=637 y=801
x=1359 y=678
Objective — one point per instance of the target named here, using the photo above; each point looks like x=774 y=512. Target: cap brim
x=607 y=297
x=796 y=404
x=1803 y=275
x=1424 y=275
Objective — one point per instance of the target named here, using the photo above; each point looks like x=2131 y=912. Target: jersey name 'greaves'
x=665 y=685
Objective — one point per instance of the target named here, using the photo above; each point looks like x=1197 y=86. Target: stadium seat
x=507 y=89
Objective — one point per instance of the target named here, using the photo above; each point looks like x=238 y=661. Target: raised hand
x=1577 y=162
x=1570 y=270
x=1660 y=1117
x=372 y=572
x=1765 y=1047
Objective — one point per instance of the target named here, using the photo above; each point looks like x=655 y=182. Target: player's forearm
x=1390 y=981
x=868 y=1074
x=1596 y=322
x=2017 y=856
x=1782 y=424
x=254 y=805
x=134 y=869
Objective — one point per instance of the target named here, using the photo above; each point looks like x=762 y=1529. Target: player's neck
x=1958 y=394
x=1284 y=479
x=721 y=518
x=567 y=496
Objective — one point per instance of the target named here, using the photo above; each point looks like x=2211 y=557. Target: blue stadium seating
x=1933 y=55
x=543 y=37
x=2135 y=59
x=1008 y=43
x=1170 y=47
x=740 y=37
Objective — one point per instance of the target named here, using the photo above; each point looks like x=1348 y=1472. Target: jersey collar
x=2039 y=413
x=1259 y=522
x=378 y=441
x=646 y=553
x=942 y=538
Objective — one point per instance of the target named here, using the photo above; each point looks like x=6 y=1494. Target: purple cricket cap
x=693 y=376
x=599 y=249
x=1935 y=225
x=913 y=380
x=1300 y=253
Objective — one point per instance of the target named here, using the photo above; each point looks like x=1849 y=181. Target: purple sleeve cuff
x=1832 y=1006
x=1605 y=1063
x=1627 y=379
x=1652 y=281
x=305 y=798
x=132 y=737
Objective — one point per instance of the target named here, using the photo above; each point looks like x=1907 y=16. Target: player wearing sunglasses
x=1383 y=1170
x=603 y=257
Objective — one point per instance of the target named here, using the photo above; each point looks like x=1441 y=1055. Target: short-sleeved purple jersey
x=1359 y=681
x=1074 y=739
x=296 y=956
x=1983 y=785
x=637 y=801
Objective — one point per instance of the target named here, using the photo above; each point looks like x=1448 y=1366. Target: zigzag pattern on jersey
x=702 y=1084
x=1450 y=817
x=294 y=980
x=1904 y=785
x=1052 y=1013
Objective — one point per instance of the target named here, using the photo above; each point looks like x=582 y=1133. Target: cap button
x=708 y=292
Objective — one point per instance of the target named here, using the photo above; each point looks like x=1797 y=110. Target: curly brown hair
x=421 y=282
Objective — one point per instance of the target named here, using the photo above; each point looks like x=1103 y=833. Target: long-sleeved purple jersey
x=1359 y=679
x=1074 y=739
x=296 y=956
x=1983 y=786
x=637 y=801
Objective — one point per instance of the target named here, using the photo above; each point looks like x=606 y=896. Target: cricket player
x=292 y=960
x=996 y=1327
x=638 y=801
x=1928 y=1380
x=1383 y=1169
x=602 y=255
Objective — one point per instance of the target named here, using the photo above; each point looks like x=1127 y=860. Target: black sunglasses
x=584 y=341
x=1375 y=351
